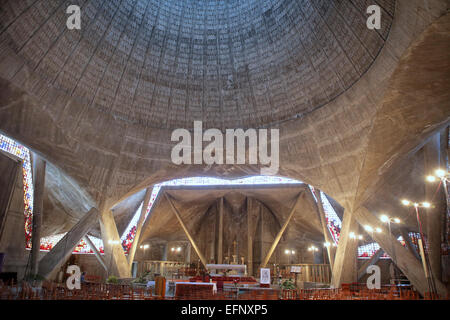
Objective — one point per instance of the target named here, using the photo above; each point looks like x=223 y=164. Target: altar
x=240 y=269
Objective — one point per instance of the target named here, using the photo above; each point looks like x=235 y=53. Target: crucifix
x=235 y=252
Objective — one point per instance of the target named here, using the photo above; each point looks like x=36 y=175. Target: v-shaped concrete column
x=344 y=269
x=404 y=259
x=139 y=225
x=280 y=233
x=115 y=258
x=186 y=231
x=64 y=248
x=96 y=253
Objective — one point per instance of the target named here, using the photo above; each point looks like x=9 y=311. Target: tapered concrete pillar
x=114 y=255
x=38 y=206
x=139 y=225
x=404 y=259
x=434 y=216
x=54 y=259
x=220 y=242
x=344 y=269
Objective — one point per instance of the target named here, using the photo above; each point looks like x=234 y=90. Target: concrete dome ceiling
x=229 y=63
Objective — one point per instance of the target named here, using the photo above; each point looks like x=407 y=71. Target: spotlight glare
x=396 y=220
x=378 y=230
x=406 y=202
x=286 y=251
x=431 y=178
x=440 y=173
x=426 y=204
x=384 y=218
x=368 y=228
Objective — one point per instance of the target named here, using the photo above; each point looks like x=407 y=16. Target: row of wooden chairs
x=53 y=291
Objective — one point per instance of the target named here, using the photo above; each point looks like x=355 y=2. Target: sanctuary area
x=224 y=150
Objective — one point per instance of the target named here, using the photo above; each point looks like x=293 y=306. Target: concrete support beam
x=434 y=216
x=250 y=220
x=344 y=269
x=280 y=233
x=331 y=250
x=139 y=225
x=220 y=244
x=373 y=260
x=409 y=243
x=188 y=252
x=404 y=259
x=96 y=253
x=114 y=255
x=38 y=205
x=54 y=259
x=165 y=251
x=175 y=211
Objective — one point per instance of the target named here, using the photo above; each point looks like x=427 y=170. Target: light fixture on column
x=313 y=249
x=354 y=236
x=290 y=253
x=426 y=264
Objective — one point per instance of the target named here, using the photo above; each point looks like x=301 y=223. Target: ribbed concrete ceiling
x=166 y=63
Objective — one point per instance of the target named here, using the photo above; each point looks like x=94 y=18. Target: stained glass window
x=368 y=250
x=18 y=150
x=47 y=243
